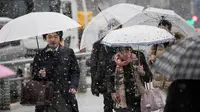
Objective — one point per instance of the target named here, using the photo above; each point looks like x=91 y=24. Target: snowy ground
x=87 y=103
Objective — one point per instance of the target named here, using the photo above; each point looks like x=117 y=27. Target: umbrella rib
x=150 y=16
x=104 y=17
x=144 y=21
x=7 y=34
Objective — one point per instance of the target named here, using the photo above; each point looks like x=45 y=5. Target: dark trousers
x=41 y=108
x=60 y=103
x=128 y=110
x=123 y=110
x=108 y=102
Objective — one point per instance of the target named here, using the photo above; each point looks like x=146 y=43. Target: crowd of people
x=117 y=73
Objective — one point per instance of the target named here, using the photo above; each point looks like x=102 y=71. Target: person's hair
x=164 y=22
x=179 y=36
x=60 y=34
x=125 y=48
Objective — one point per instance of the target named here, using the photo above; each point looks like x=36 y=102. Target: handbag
x=37 y=93
x=151 y=100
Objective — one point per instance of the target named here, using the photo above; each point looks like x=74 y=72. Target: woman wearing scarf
x=126 y=85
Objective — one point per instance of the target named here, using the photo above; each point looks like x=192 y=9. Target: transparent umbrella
x=108 y=20
x=152 y=16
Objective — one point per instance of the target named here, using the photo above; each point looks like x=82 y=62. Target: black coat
x=183 y=96
x=62 y=69
x=102 y=65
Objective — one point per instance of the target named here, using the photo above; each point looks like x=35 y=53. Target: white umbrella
x=111 y=17
x=34 y=24
x=138 y=35
x=152 y=16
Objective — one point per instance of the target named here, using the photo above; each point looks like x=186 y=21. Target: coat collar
x=58 y=49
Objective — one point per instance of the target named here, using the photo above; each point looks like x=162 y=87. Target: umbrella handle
x=37 y=42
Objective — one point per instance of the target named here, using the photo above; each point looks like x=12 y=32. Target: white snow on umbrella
x=138 y=35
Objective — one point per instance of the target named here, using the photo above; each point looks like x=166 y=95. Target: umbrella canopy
x=34 y=24
x=107 y=20
x=138 y=35
x=6 y=72
x=181 y=61
x=152 y=16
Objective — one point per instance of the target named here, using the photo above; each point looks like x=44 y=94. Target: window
x=15 y=43
x=5 y=44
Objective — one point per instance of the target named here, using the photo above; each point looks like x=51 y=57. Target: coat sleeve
x=111 y=78
x=94 y=59
x=148 y=74
x=35 y=67
x=74 y=71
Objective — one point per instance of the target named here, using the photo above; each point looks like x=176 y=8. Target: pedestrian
x=102 y=67
x=160 y=80
x=127 y=83
x=57 y=64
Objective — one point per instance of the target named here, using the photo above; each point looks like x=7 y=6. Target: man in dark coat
x=57 y=64
x=101 y=67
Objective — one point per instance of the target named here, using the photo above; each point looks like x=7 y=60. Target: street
x=87 y=103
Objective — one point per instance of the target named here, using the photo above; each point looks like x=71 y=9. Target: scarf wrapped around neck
x=123 y=59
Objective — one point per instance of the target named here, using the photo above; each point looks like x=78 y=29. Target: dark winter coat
x=183 y=96
x=132 y=98
x=102 y=65
x=62 y=69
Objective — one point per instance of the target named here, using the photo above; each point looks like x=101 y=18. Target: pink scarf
x=124 y=58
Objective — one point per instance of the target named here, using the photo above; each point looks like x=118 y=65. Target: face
x=164 y=27
x=125 y=50
x=53 y=39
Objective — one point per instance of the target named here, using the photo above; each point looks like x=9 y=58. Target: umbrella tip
x=99 y=9
x=162 y=17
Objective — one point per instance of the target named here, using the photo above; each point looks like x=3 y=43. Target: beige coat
x=159 y=80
